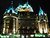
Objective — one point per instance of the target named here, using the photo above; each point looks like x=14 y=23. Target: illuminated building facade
x=42 y=21
x=24 y=21
x=18 y=20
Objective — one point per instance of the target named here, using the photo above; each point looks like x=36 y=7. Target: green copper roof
x=41 y=12
x=8 y=10
x=26 y=6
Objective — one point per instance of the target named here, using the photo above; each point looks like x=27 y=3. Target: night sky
x=44 y=4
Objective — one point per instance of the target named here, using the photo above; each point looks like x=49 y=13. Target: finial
x=11 y=2
x=27 y=1
x=6 y=9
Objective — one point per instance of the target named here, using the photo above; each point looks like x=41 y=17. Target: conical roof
x=41 y=12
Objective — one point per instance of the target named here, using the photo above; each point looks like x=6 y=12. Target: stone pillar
x=17 y=25
x=13 y=25
x=40 y=27
x=4 y=27
x=41 y=31
x=7 y=29
x=45 y=29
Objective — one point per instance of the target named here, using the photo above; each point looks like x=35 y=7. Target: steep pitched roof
x=25 y=7
x=40 y=12
x=10 y=8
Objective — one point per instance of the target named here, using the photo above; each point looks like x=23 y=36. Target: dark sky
x=45 y=5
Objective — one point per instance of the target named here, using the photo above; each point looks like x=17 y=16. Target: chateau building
x=23 y=20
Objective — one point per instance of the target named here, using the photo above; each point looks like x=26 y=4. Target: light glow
x=3 y=30
x=32 y=35
x=22 y=36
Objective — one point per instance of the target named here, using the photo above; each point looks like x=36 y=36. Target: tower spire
x=11 y=3
x=41 y=12
x=27 y=2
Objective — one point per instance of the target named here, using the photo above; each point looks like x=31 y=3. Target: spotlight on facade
x=44 y=20
x=38 y=21
x=22 y=36
x=26 y=36
x=32 y=35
